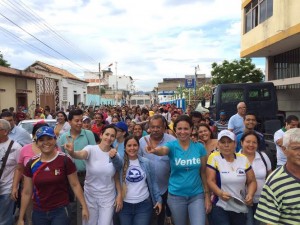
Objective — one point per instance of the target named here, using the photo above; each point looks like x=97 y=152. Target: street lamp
x=179 y=89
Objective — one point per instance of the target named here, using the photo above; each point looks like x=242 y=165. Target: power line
x=8 y=33
x=27 y=11
x=41 y=41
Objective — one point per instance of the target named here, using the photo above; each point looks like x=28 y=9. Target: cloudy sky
x=149 y=40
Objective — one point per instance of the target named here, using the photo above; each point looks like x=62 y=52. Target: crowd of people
x=126 y=165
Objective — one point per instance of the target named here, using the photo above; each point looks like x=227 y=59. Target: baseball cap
x=226 y=133
x=45 y=131
x=86 y=118
x=122 y=126
x=222 y=113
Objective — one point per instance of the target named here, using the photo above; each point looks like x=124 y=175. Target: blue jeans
x=136 y=214
x=221 y=216
x=250 y=216
x=7 y=210
x=58 y=216
x=182 y=206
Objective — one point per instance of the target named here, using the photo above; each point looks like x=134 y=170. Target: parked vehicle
x=141 y=100
x=28 y=124
x=260 y=98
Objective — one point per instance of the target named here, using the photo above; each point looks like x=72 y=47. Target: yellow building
x=271 y=29
x=17 y=88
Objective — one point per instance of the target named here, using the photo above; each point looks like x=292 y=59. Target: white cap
x=226 y=133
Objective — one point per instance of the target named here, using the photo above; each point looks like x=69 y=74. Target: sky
x=147 y=40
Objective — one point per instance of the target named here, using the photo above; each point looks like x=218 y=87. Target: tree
x=3 y=62
x=237 y=71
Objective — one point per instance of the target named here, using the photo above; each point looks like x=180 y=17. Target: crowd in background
x=134 y=166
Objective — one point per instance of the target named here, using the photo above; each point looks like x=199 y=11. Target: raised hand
x=69 y=146
x=149 y=147
x=113 y=152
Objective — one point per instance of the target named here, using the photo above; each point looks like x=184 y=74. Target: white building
x=120 y=83
x=58 y=88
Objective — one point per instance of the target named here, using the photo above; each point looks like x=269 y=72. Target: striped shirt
x=280 y=199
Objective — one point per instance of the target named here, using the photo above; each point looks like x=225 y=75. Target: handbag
x=4 y=159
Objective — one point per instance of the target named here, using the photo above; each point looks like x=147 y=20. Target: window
x=286 y=65
x=256 y=12
x=232 y=96
x=65 y=94
x=259 y=94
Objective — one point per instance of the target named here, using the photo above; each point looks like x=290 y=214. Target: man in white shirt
x=291 y=121
x=6 y=179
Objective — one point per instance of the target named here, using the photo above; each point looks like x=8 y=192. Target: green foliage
x=3 y=62
x=102 y=90
x=237 y=71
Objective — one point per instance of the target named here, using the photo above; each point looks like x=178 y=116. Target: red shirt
x=50 y=182
x=97 y=130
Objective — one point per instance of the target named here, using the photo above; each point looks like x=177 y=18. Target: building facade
x=271 y=29
x=58 y=88
x=17 y=88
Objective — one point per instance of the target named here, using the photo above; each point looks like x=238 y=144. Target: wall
x=7 y=98
x=284 y=23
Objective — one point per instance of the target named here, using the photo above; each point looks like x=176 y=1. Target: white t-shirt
x=99 y=181
x=11 y=164
x=137 y=189
x=259 y=169
x=281 y=158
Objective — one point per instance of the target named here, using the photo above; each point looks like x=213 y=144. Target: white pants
x=101 y=210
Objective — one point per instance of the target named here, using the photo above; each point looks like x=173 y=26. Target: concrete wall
x=8 y=97
x=288 y=100
x=276 y=28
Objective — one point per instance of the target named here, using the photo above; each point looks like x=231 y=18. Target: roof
x=58 y=71
x=19 y=73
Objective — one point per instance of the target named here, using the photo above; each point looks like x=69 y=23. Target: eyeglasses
x=194 y=135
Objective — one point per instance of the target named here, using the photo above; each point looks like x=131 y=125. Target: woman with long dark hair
x=139 y=189
x=188 y=190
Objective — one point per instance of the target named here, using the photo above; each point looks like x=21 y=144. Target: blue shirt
x=86 y=137
x=185 y=179
x=121 y=149
x=160 y=163
x=236 y=123
x=20 y=135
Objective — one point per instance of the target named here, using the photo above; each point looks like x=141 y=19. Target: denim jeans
x=58 y=216
x=7 y=210
x=250 y=216
x=136 y=214
x=221 y=216
x=182 y=206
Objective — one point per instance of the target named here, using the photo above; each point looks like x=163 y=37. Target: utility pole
x=195 y=90
x=99 y=84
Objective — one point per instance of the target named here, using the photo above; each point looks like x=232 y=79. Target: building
x=271 y=29
x=17 y=88
x=58 y=88
x=167 y=89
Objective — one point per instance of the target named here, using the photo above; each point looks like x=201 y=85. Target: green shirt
x=86 y=137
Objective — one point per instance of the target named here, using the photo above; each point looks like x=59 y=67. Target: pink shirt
x=27 y=153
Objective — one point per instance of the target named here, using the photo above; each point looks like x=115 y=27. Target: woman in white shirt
x=102 y=180
x=140 y=190
x=261 y=166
